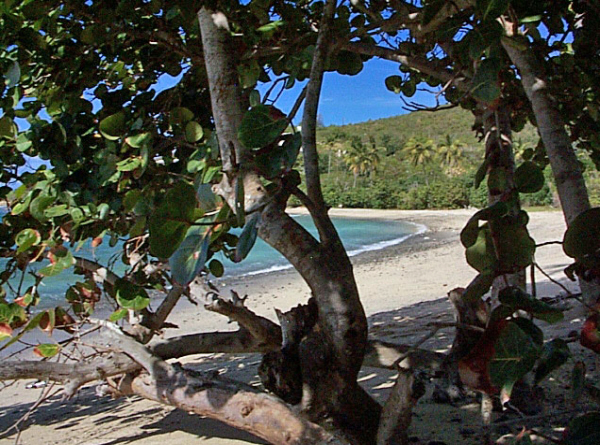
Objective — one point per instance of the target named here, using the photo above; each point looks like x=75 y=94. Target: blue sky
x=352 y=99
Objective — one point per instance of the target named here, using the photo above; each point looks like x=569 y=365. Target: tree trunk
x=332 y=354
x=566 y=169
x=501 y=164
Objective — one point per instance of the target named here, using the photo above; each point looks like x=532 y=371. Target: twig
x=548 y=243
x=553 y=280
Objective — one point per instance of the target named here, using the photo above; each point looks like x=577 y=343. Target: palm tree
x=451 y=153
x=420 y=151
x=360 y=158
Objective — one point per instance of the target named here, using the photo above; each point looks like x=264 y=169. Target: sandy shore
x=398 y=286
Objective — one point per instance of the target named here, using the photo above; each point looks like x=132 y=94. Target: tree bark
x=566 y=169
x=330 y=361
x=501 y=163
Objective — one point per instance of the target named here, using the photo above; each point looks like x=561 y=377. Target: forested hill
x=455 y=122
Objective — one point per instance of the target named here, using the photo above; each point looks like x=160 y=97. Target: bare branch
x=309 y=118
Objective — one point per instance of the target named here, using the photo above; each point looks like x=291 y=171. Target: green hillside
x=455 y=122
x=421 y=160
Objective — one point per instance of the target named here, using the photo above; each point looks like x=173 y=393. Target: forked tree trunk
x=566 y=169
x=330 y=364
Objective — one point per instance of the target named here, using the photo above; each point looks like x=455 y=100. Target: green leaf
x=23 y=144
x=38 y=207
x=46 y=350
x=131 y=296
x=63 y=260
x=583 y=235
x=180 y=115
x=515 y=353
x=247 y=238
x=349 y=63
x=206 y=198
x=193 y=132
x=129 y=164
x=171 y=220
x=529 y=178
x=555 y=353
x=216 y=268
x=281 y=159
x=394 y=84
x=491 y=9
x=518 y=299
x=258 y=129
x=13 y=75
x=113 y=127
x=139 y=140
x=8 y=129
x=486 y=85
x=27 y=238
x=188 y=260
x=583 y=430
x=117 y=315
x=481 y=255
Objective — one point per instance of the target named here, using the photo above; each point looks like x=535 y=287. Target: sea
x=358 y=235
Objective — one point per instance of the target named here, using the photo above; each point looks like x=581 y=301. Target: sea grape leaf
x=189 y=258
x=281 y=159
x=394 y=84
x=5 y=331
x=46 y=350
x=481 y=255
x=515 y=353
x=206 y=197
x=583 y=235
x=8 y=129
x=27 y=238
x=131 y=296
x=180 y=115
x=491 y=9
x=113 y=127
x=247 y=238
x=193 y=132
x=514 y=247
x=583 y=430
x=61 y=260
x=258 y=129
x=529 y=178
x=171 y=220
x=139 y=140
x=38 y=206
x=555 y=353
x=486 y=85
x=516 y=298
x=117 y=315
x=13 y=74
x=216 y=268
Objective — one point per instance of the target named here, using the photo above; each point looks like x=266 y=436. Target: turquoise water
x=358 y=236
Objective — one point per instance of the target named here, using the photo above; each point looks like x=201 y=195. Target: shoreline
x=402 y=289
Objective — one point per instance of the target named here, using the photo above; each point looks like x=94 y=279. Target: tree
x=420 y=152
x=451 y=151
x=360 y=158
x=168 y=176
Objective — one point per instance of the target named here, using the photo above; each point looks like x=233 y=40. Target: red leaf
x=5 y=330
x=474 y=368
x=590 y=336
x=96 y=242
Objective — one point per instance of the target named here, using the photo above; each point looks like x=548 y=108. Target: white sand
x=422 y=269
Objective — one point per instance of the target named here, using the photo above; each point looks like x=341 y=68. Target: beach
x=401 y=287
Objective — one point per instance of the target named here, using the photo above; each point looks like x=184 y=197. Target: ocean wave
x=420 y=229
